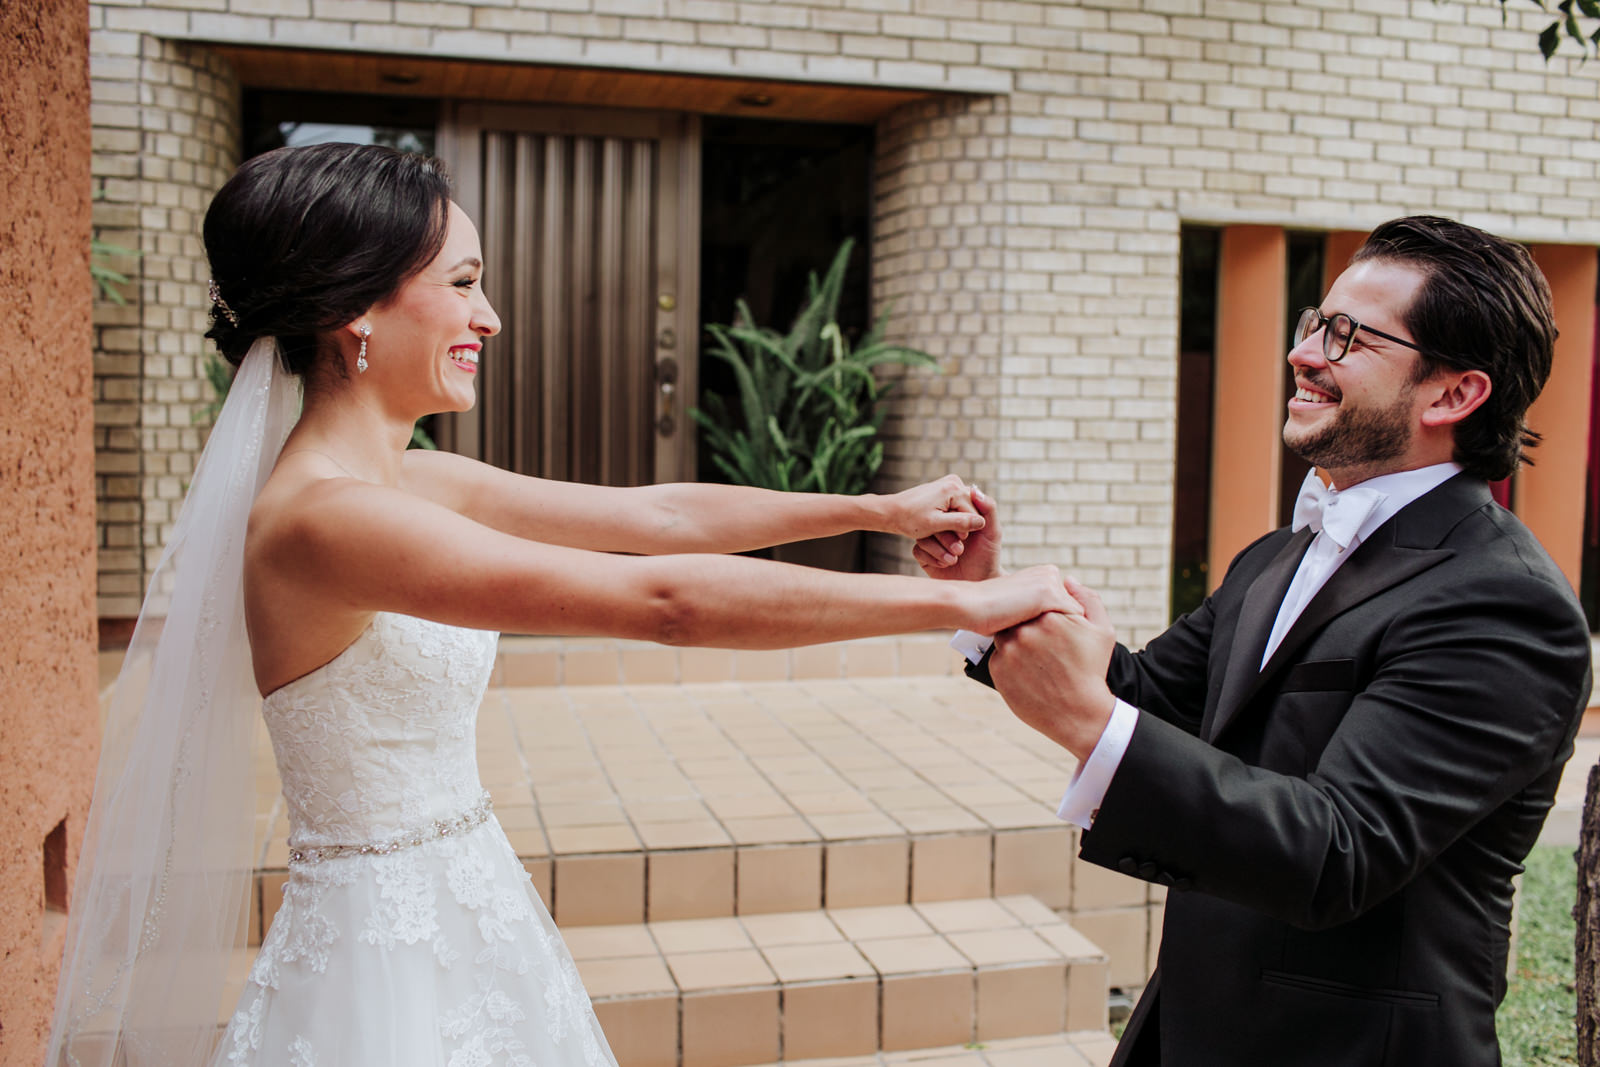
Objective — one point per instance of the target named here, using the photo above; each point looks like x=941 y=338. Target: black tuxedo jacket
x=1340 y=829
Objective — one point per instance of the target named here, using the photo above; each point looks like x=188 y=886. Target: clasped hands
x=1051 y=670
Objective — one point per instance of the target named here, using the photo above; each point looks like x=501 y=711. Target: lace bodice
x=409 y=933
x=379 y=741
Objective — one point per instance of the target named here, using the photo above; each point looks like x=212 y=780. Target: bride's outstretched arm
x=347 y=549
x=683 y=516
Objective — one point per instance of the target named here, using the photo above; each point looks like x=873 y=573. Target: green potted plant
x=806 y=415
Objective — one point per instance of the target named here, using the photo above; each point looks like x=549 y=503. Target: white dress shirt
x=1323 y=557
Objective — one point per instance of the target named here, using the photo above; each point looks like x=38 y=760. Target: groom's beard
x=1356 y=437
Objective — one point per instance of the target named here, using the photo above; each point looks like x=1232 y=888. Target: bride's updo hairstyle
x=304 y=240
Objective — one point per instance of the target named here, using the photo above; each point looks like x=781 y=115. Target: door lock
x=667 y=388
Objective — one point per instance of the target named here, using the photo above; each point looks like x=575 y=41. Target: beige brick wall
x=1026 y=229
x=166 y=117
x=939 y=270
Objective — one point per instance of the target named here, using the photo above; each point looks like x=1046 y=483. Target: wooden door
x=590 y=228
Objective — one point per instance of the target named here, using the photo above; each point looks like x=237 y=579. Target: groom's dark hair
x=1484 y=305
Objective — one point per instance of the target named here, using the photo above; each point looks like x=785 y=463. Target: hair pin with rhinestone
x=221 y=304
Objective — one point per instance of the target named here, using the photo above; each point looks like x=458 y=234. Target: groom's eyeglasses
x=1338 y=330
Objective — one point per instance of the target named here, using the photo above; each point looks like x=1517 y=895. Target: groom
x=1339 y=761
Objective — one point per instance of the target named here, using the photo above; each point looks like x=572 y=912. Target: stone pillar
x=47 y=660
x=166 y=136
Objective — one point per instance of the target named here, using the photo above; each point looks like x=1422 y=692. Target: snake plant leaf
x=779 y=441
x=875 y=332
x=807 y=414
x=750 y=396
x=822 y=308
x=842 y=440
x=880 y=353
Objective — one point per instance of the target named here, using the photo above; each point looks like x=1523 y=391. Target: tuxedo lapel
x=1256 y=615
x=1401 y=548
x=1377 y=565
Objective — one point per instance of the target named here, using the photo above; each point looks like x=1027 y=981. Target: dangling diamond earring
x=361 y=357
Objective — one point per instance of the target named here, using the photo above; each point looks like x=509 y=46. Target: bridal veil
x=163 y=878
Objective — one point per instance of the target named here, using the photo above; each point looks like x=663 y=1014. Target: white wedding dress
x=409 y=935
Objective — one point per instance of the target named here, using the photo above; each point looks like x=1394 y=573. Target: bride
x=359 y=586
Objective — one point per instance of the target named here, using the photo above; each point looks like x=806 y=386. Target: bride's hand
x=941 y=508
x=969 y=558
x=1000 y=603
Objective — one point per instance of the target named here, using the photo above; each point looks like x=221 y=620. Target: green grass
x=1536 y=1018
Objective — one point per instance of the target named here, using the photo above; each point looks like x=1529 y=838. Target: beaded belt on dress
x=470 y=819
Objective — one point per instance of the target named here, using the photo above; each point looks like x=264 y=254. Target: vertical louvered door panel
x=574 y=224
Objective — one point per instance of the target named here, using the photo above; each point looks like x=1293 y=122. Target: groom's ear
x=1457 y=394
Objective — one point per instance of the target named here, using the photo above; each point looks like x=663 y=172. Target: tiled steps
x=838 y=982
x=847 y=982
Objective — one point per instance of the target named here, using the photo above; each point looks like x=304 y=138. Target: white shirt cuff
x=971 y=645
x=1082 y=800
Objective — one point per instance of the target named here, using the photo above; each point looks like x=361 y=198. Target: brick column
x=166 y=135
x=1053 y=303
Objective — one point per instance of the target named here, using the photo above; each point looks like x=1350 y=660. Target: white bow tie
x=1337 y=513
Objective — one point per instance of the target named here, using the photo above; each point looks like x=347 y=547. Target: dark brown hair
x=1483 y=306
x=305 y=240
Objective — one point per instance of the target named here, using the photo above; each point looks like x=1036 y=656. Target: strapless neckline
x=367 y=634
x=343 y=653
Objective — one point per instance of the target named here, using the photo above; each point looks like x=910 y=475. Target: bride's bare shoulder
x=296 y=607
x=295 y=494
x=302 y=520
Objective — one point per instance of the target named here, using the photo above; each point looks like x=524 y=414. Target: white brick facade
x=1026 y=230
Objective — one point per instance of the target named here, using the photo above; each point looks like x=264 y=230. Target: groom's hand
x=1052 y=672
x=973 y=557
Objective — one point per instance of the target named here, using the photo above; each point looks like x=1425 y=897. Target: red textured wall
x=49 y=726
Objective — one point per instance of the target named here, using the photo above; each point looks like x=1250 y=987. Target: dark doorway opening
x=1308 y=255
x=274 y=119
x=1199 y=251
x=778 y=199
